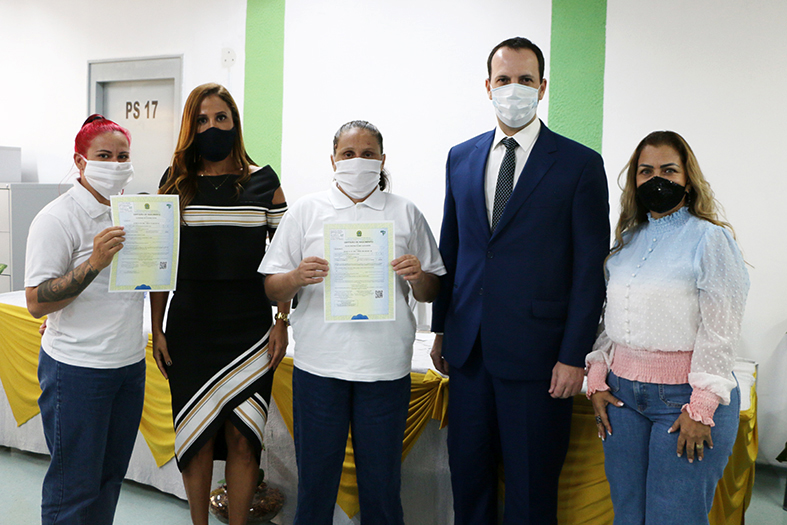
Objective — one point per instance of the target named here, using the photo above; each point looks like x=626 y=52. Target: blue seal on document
x=142 y=287
x=358 y=317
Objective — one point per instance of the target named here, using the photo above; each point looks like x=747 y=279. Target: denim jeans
x=323 y=410
x=90 y=417
x=649 y=483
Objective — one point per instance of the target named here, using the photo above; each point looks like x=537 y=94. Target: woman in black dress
x=220 y=348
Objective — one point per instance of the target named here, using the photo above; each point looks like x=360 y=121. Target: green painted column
x=576 y=70
x=264 y=86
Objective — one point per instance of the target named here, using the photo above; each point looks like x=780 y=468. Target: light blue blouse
x=678 y=284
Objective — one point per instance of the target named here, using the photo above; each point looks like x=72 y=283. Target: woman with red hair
x=92 y=360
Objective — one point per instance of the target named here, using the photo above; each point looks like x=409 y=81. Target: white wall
x=414 y=68
x=45 y=47
x=714 y=72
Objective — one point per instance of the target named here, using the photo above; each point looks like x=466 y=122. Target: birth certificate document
x=149 y=257
x=360 y=281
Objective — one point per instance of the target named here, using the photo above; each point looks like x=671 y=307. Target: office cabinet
x=19 y=204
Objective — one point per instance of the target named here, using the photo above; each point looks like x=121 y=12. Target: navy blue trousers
x=516 y=423
x=324 y=409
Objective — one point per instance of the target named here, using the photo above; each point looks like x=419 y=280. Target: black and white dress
x=219 y=318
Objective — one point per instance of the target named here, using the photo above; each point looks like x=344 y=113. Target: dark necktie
x=505 y=180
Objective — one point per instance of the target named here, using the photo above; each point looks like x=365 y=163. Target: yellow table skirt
x=19 y=347
x=584 y=492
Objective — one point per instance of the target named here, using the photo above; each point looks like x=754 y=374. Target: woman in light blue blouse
x=660 y=374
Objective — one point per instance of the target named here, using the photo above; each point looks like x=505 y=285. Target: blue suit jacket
x=534 y=288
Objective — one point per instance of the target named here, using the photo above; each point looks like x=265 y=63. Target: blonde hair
x=700 y=200
x=182 y=178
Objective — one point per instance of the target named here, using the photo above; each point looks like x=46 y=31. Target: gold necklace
x=208 y=177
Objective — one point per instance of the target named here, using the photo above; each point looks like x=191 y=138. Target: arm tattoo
x=68 y=286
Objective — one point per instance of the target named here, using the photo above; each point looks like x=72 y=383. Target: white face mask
x=515 y=104
x=108 y=178
x=358 y=177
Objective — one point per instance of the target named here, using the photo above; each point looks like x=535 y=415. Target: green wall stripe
x=576 y=70
x=264 y=85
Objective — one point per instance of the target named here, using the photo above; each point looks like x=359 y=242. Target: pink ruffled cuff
x=597 y=378
x=702 y=406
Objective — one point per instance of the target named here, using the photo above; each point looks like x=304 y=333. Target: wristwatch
x=284 y=317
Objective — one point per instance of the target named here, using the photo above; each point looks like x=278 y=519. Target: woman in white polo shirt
x=92 y=360
x=358 y=373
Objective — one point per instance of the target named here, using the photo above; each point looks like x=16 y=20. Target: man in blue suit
x=524 y=236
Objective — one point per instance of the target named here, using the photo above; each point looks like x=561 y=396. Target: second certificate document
x=360 y=283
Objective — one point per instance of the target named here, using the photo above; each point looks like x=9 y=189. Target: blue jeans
x=649 y=483
x=90 y=417
x=323 y=410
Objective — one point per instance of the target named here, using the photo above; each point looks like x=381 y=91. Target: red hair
x=94 y=126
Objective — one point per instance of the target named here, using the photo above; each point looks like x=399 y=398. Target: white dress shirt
x=525 y=137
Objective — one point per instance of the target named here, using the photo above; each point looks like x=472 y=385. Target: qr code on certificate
x=162 y=265
x=378 y=294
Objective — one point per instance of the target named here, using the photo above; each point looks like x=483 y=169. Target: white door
x=146 y=109
x=142 y=95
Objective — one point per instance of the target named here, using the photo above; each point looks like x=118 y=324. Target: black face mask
x=215 y=144
x=660 y=195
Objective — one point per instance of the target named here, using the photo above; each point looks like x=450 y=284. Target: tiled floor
x=767 y=497
x=21 y=474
